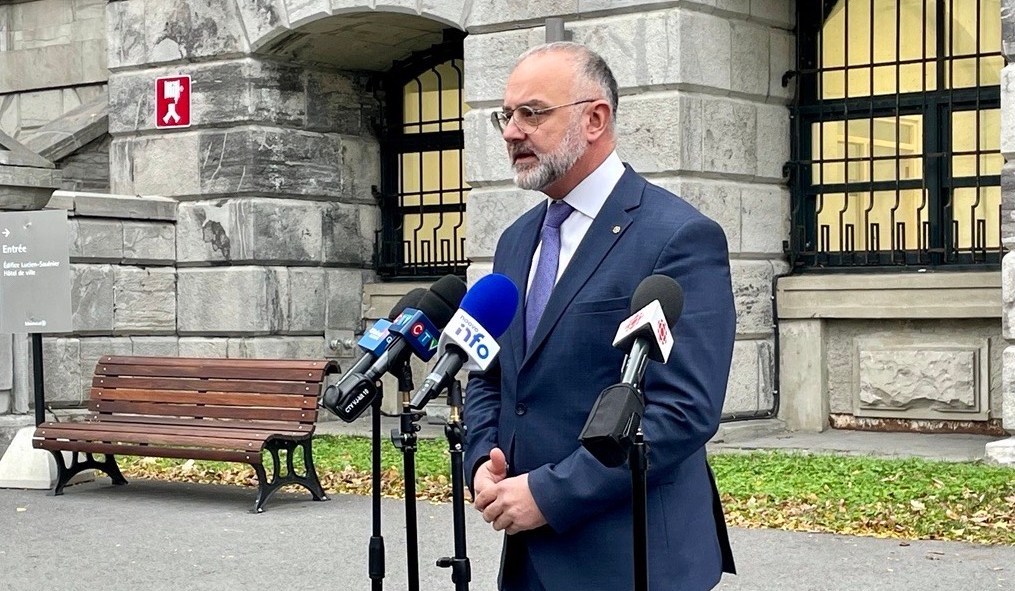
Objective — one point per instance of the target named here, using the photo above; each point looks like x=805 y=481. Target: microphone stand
x=461 y=570
x=404 y=438
x=376 y=548
x=638 y=461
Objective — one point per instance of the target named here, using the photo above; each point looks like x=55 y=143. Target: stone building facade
x=253 y=231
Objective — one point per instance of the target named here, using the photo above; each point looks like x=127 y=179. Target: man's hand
x=509 y=505
x=490 y=472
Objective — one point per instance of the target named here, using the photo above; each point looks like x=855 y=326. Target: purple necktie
x=546 y=267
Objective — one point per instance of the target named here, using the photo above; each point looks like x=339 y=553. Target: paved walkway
x=173 y=536
x=163 y=536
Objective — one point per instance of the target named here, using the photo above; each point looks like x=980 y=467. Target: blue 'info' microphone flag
x=470 y=338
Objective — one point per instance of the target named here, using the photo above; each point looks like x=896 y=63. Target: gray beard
x=553 y=166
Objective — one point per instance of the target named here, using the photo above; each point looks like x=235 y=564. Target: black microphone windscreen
x=450 y=290
x=441 y=301
x=409 y=300
x=662 y=288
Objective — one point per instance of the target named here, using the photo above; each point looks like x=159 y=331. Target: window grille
x=896 y=134
x=423 y=190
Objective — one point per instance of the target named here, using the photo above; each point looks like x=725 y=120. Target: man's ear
x=599 y=120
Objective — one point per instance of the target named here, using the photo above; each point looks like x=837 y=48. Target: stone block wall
x=87 y=170
x=52 y=59
x=703 y=113
x=276 y=222
x=889 y=351
x=1008 y=225
x=123 y=287
x=130 y=297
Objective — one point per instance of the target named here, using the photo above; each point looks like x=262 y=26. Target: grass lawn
x=906 y=499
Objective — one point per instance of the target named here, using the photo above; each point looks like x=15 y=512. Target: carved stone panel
x=906 y=378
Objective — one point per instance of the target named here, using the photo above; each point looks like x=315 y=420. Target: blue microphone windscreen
x=492 y=302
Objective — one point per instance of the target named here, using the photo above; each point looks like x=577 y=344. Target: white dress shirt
x=587 y=198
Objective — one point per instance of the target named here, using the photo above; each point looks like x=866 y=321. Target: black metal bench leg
x=62 y=475
x=313 y=483
x=310 y=481
x=110 y=467
x=264 y=488
x=65 y=473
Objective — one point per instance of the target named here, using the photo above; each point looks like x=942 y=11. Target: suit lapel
x=610 y=224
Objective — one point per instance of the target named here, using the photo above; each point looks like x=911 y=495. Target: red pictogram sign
x=172 y=101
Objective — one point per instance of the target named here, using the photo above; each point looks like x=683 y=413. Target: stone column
x=276 y=217
x=1004 y=451
x=803 y=379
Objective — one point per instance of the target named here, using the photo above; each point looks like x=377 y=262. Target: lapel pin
x=616 y=229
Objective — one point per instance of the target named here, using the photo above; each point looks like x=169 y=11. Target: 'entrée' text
x=17 y=248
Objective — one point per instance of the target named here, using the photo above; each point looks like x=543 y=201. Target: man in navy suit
x=578 y=257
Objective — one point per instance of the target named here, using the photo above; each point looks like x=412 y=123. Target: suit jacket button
x=520 y=409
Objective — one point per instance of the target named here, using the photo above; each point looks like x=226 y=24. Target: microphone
x=470 y=339
x=616 y=416
x=419 y=329
x=659 y=300
x=413 y=330
x=373 y=342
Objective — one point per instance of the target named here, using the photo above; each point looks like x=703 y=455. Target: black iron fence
x=896 y=134
x=423 y=190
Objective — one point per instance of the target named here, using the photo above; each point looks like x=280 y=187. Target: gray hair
x=593 y=70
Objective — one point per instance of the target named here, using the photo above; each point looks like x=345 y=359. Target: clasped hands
x=507 y=503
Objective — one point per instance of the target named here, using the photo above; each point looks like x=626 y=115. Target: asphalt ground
x=153 y=535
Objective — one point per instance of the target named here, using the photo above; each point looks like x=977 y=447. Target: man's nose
x=511 y=132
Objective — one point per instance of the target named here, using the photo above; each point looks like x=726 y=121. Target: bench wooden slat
x=47 y=430
x=147 y=450
x=174 y=439
x=195 y=371
x=191 y=410
x=206 y=398
x=207 y=385
x=219 y=362
x=271 y=426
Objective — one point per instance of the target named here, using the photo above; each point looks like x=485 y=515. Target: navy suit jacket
x=535 y=404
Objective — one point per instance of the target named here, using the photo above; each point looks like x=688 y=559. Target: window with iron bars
x=896 y=134
x=423 y=190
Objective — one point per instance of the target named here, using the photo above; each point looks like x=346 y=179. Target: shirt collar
x=589 y=195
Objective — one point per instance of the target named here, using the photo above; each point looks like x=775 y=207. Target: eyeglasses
x=526 y=118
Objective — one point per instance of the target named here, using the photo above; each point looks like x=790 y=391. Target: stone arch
x=276 y=27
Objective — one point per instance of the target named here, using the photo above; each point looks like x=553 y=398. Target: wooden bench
x=203 y=409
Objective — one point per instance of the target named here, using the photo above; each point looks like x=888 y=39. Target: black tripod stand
x=638 y=462
x=376 y=548
x=461 y=570
x=404 y=438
